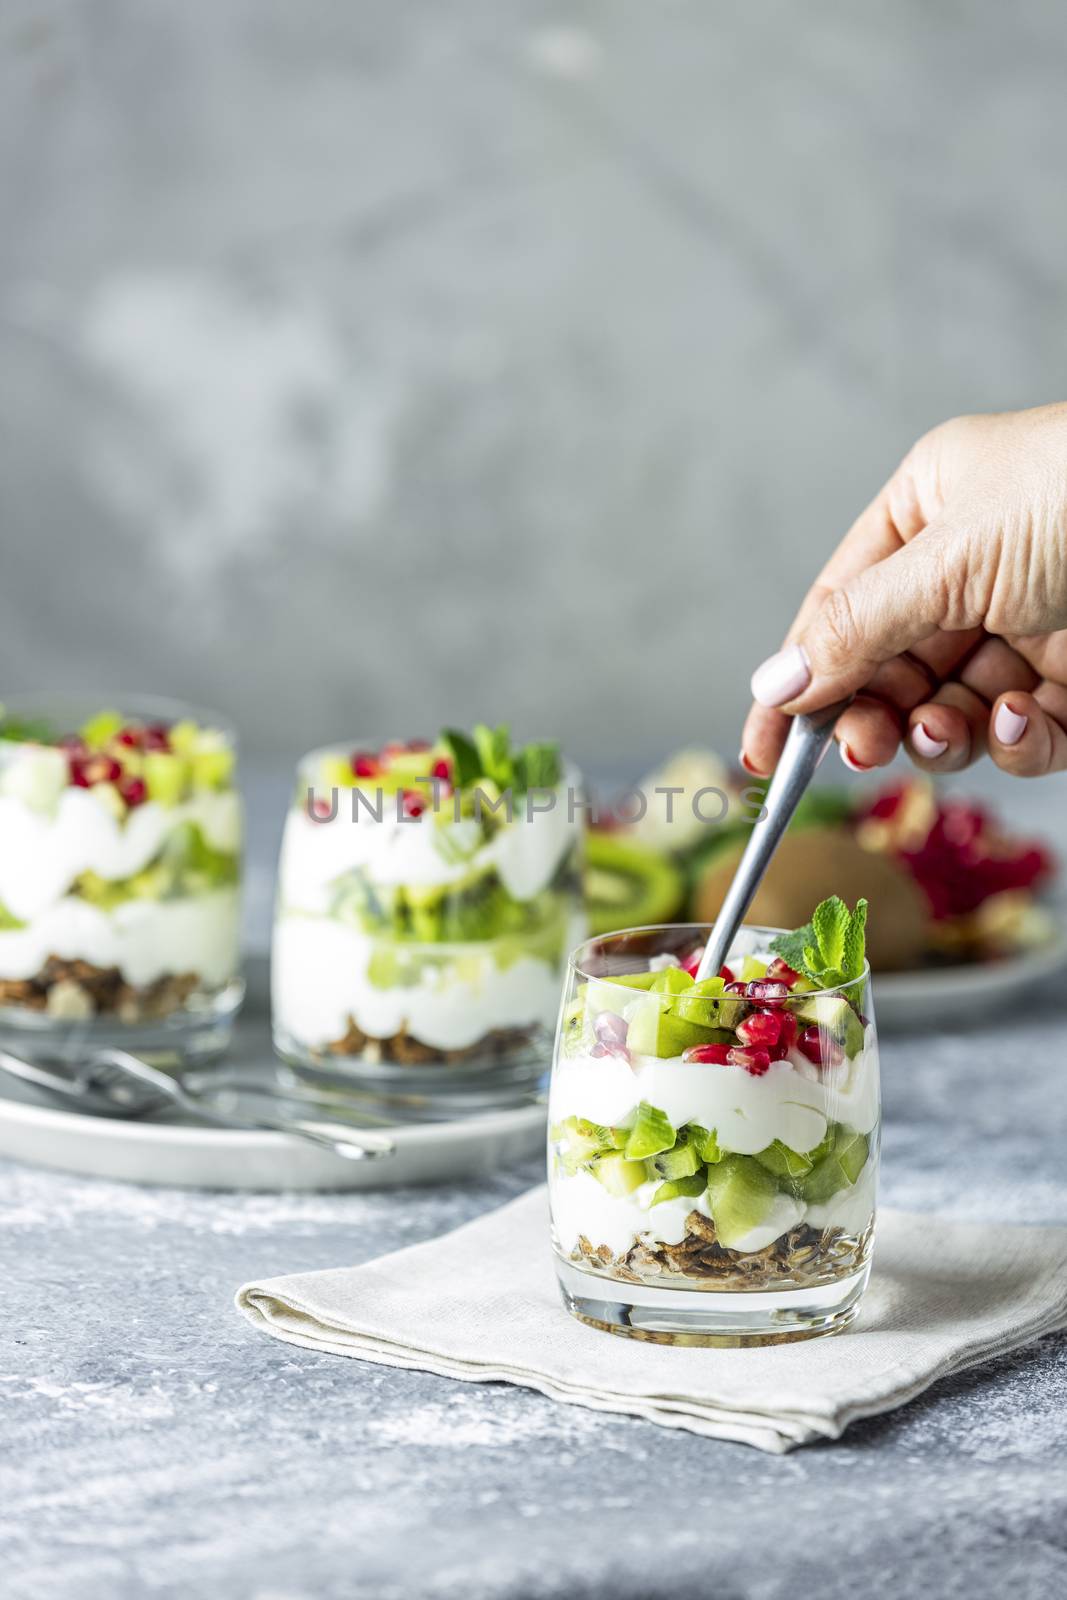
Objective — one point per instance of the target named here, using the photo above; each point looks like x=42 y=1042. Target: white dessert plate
x=943 y=997
x=165 y=1150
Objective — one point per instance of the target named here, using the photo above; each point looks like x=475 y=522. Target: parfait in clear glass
x=713 y=1145
x=120 y=867
x=427 y=897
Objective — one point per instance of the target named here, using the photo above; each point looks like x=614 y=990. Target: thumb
x=873 y=617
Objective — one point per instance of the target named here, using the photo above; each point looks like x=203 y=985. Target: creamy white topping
x=319 y=980
x=145 y=939
x=42 y=853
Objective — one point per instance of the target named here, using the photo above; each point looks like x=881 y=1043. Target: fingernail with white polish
x=1008 y=725
x=925 y=745
x=850 y=761
x=781 y=677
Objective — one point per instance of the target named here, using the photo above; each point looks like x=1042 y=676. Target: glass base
x=426 y=1091
x=704 y=1317
x=196 y=1035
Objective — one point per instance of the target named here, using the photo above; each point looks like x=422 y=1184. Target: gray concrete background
x=364 y=366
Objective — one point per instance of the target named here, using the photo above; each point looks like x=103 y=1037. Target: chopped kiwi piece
x=681 y=1162
x=670 y=980
x=651 y=1133
x=212 y=769
x=164 y=776
x=655 y=1031
x=619 y=1176
x=674 y=1188
x=701 y=1003
x=784 y=1162
x=102 y=728
x=838 y=1169
x=580 y=1141
x=572 y=1028
x=740 y=1193
x=704 y=1142
x=833 y=1013
x=752 y=969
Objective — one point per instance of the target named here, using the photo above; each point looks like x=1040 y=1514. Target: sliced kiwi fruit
x=629 y=885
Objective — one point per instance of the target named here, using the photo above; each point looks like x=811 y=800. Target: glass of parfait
x=427 y=897
x=713 y=1146
x=120 y=871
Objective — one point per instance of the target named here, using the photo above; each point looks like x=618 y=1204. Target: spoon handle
x=807 y=743
x=358 y=1145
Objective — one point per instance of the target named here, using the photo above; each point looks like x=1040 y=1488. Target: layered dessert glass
x=427 y=897
x=120 y=869
x=712 y=1146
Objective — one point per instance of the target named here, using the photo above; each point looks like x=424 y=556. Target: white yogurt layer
x=421 y=853
x=145 y=939
x=582 y=1206
x=793 y=1102
x=42 y=853
x=319 y=981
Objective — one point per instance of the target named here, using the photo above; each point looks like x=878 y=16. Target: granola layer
x=404 y=1049
x=803 y=1258
x=75 y=991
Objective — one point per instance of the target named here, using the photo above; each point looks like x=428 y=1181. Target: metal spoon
x=124 y=1082
x=808 y=740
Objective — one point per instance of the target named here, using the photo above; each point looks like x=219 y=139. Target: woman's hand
x=944 y=609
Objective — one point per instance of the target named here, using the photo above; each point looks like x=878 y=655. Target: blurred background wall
x=369 y=365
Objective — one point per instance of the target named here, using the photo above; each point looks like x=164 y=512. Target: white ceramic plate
x=161 y=1151
x=945 y=997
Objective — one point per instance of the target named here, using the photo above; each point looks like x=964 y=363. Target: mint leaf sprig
x=831 y=948
x=488 y=753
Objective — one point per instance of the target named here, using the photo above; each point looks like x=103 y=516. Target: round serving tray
x=164 y=1149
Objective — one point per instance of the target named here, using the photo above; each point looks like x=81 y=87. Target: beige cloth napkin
x=481 y=1304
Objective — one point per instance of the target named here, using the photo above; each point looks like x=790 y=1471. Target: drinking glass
x=120 y=871
x=417 y=955
x=709 y=1185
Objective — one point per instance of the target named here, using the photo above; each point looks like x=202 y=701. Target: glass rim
x=575 y=966
x=160 y=707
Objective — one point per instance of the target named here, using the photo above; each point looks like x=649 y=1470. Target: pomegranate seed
x=77 y=773
x=321 y=808
x=713 y=1054
x=733 y=987
x=768 y=993
x=73 y=744
x=759 y=1027
x=363 y=764
x=133 y=791
x=724 y=972
x=441 y=769
x=414 y=803
x=780 y=971
x=788 y=1027
x=754 y=1060
x=619 y=1051
x=610 y=1028
x=155 y=737
x=820 y=1048
x=129 y=737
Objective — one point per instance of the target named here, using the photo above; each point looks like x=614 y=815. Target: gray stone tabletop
x=154 y=1443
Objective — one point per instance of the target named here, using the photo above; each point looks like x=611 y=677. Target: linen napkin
x=481 y=1304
